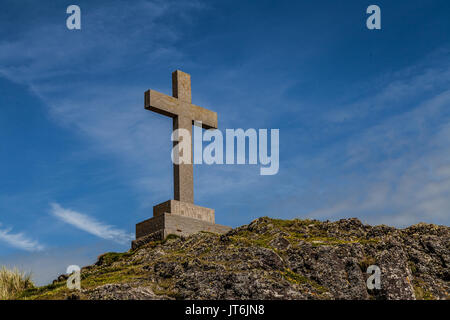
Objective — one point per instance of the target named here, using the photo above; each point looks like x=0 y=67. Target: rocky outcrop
x=276 y=259
x=123 y=292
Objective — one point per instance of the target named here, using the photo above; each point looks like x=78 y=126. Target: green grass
x=420 y=292
x=171 y=237
x=111 y=257
x=298 y=279
x=292 y=223
x=412 y=267
x=111 y=277
x=108 y=275
x=296 y=232
x=248 y=238
x=51 y=291
x=366 y=262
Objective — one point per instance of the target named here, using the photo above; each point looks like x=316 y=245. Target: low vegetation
x=13 y=282
x=270 y=259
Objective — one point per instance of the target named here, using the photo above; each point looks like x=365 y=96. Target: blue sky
x=363 y=116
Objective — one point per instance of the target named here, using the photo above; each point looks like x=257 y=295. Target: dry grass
x=13 y=282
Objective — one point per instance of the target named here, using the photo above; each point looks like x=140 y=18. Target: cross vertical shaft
x=183 y=174
x=183 y=113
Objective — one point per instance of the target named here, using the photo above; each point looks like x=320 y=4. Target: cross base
x=179 y=218
x=185 y=209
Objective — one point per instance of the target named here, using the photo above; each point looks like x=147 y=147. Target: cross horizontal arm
x=172 y=107
x=161 y=103
x=207 y=117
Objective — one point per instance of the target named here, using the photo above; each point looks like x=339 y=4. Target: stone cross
x=184 y=114
x=179 y=216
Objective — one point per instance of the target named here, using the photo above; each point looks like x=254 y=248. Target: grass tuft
x=13 y=282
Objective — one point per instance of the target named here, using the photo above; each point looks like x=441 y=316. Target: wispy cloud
x=112 y=124
x=90 y=225
x=107 y=111
x=392 y=91
x=405 y=158
x=19 y=240
x=56 y=56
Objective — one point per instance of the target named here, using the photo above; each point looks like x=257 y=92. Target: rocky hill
x=273 y=259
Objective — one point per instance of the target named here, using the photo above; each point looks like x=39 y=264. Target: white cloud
x=19 y=240
x=405 y=160
x=106 y=44
x=391 y=91
x=107 y=111
x=90 y=225
x=111 y=116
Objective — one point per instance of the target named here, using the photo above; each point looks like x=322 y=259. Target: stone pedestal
x=179 y=218
x=184 y=209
